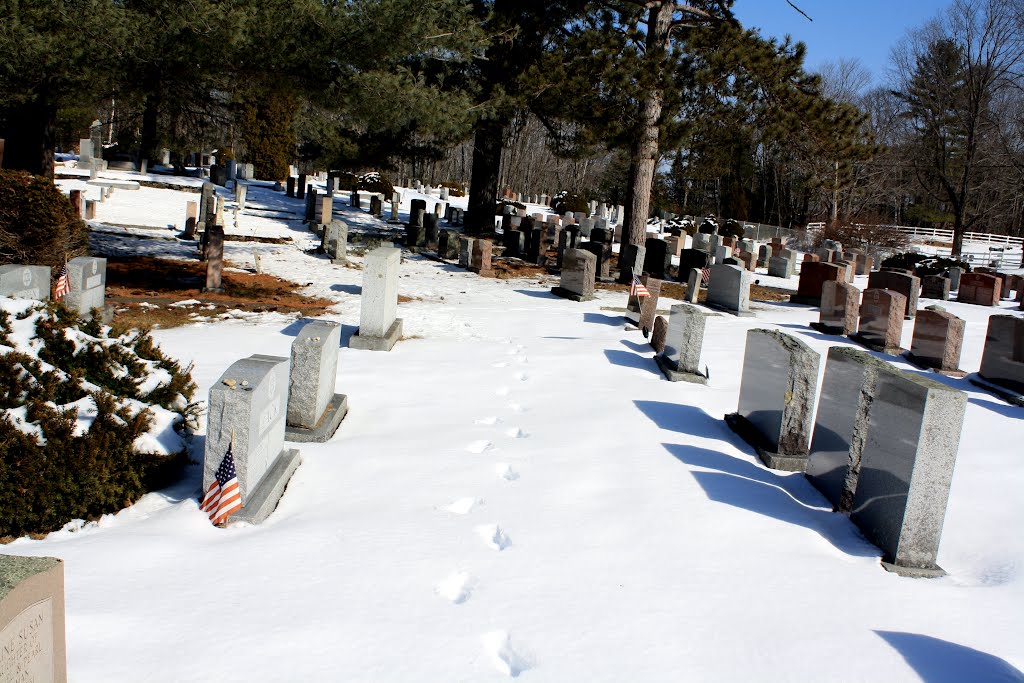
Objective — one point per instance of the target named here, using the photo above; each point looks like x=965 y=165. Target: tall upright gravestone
x=314 y=410
x=579 y=273
x=729 y=290
x=884 y=448
x=907 y=285
x=247 y=410
x=379 y=328
x=1002 y=362
x=778 y=390
x=88 y=278
x=684 y=339
x=32 y=643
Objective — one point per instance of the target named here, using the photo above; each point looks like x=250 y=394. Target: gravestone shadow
x=536 y=293
x=602 y=319
x=685 y=419
x=791 y=499
x=348 y=289
x=940 y=661
x=637 y=346
x=809 y=332
x=632 y=360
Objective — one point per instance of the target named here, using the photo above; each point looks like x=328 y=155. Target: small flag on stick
x=63 y=286
x=637 y=289
x=705 y=275
x=223 y=497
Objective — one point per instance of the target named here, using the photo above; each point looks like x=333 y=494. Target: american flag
x=637 y=289
x=223 y=497
x=63 y=283
x=705 y=275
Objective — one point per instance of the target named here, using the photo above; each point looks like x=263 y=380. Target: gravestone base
x=1008 y=395
x=385 y=343
x=723 y=309
x=673 y=374
x=212 y=290
x=914 y=572
x=263 y=501
x=878 y=348
x=340 y=262
x=336 y=411
x=806 y=300
x=827 y=329
x=784 y=462
x=489 y=272
x=569 y=294
x=917 y=362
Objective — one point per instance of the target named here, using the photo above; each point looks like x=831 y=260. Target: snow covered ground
x=516 y=491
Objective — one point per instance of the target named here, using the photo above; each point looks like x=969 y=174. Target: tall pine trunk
x=488 y=141
x=643 y=153
x=149 y=137
x=30 y=138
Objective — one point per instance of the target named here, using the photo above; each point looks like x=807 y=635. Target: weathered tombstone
x=692 y=258
x=907 y=285
x=335 y=242
x=659 y=333
x=631 y=262
x=748 y=260
x=955 y=274
x=684 y=339
x=77 y=199
x=241 y=191
x=840 y=307
x=935 y=287
x=657 y=259
x=33 y=648
x=247 y=411
x=579 y=270
x=354 y=200
x=641 y=310
x=825 y=255
x=430 y=229
x=702 y=242
x=481 y=260
x=214 y=252
x=465 y=251
x=781 y=266
x=25 y=282
x=323 y=210
x=778 y=391
x=729 y=290
x=379 y=329
x=535 y=246
x=693 y=283
x=88 y=278
x=314 y=410
x=913 y=434
x=448 y=245
x=1002 y=362
x=514 y=243
x=813 y=275
x=300 y=187
x=881 y=320
x=980 y=289
x=937 y=342
x=599 y=252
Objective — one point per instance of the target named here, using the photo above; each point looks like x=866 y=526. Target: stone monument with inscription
x=32 y=644
x=25 y=282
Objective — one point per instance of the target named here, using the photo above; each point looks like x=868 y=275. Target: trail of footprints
x=499 y=648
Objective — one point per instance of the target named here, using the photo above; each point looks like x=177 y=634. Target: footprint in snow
x=493 y=536
x=481 y=446
x=522 y=376
x=489 y=420
x=506 y=472
x=499 y=649
x=516 y=433
x=516 y=408
x=456 y=587
x=463 y=506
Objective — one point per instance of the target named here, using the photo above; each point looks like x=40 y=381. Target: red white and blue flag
x=223 y=497
x=637 y=289
x=63 y=286
x=705 y=275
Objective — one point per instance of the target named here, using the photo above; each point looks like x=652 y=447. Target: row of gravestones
x=87 y=278
x=881 y=445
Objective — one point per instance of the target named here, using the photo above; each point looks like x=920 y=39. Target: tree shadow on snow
x=632 y=360
x=791 y=498
x=939 y=661
x=348 y=289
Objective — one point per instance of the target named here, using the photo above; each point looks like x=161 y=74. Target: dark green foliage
x=38 y=225
x=923 y=264
x=731 y=229
x=43 y=486
x=564 y=202
x=266 y=123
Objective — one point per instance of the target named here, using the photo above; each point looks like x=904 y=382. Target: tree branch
x=790 y=3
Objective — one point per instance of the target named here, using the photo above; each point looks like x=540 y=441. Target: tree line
x=654 y=105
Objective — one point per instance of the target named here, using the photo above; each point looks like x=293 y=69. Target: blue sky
x=866 y=29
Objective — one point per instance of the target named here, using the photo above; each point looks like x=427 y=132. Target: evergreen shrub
x=54 y=467
x=38 y=224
